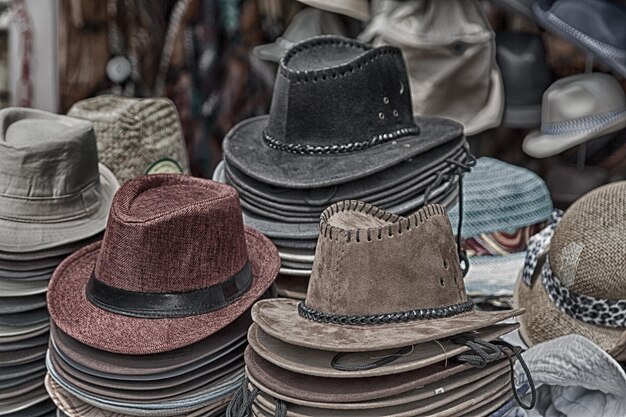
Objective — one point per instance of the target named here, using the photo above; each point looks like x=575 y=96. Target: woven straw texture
x=501 y=197
x=588 y=250
x=133 y=134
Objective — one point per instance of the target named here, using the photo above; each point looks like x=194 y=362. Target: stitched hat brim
x=358 y=9
x=543 y=17
x=279 y=318
x=378 y=186
x=28 y=237
x=382 y=389
x=539 y=145
x=73 y=313
x=316 y=362
x=246 y=150
x=544 y=321
x=449 y=404
x=142 y=368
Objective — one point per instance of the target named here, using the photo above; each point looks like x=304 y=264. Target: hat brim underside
x=20 y=237
x=378 y=186
x=279 y=318
x=139 y=368
x=539 y=145
x=542 y=14
x=404 y=395
x=544 y=321
x=101 y=329
x=317 y=362
x=452 y=403
x=246 y=150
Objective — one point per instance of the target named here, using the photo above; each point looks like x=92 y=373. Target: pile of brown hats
x=341 y=126
x=386 y=328
x=54 y=199
x=153 y=319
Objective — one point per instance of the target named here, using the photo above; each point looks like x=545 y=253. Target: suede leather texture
x=317 y=362
x=408 y=263
x=321 y=83
x=450 y=404
x=372 y=262
x=485 y=375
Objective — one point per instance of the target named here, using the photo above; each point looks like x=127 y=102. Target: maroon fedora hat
x=175 y=266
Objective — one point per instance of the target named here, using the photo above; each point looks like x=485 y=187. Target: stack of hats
x=54 y=199
x=450 y=51
x=136 y=136
x=503 y=206
x=574 y=278
x=341 y=126
x=152 y=320
x=386 y=328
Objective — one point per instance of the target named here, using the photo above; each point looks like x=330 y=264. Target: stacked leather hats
x=386 y=328
x=341 y=126
x=153 y=319
x=54 y=199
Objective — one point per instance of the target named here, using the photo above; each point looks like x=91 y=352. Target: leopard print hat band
x=598 y=311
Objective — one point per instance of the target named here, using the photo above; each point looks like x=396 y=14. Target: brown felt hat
x=175 y=266
x=451 y=403
x=318 y=362
x=379 y=281
x=587 y=265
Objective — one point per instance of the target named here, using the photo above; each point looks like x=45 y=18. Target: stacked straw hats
x=54 y=199
x=386 y=328
x=341 y=126
x=153 y=319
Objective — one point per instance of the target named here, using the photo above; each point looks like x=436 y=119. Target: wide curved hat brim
x=21 y=357
x=26 y=318
x=378 y=186
x=24 y=336
x=24 y=330
x=544 y=321
x=548 y=20
x=21 y=389
x=539 y=145
x=21 y=372
x=74 y=407
x=159 y=390
x=450 y=404
x=73 y=313
x=23 y=403
x=23 y=288
x=345 y=390
x=446 y=195
x=121 y=367
x=12 y=305
x=28 y=237
x=317 y=362
x=280 y=319
x=246 y=150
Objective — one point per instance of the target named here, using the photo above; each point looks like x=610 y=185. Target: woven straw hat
x=136 y=136
x=587 y=258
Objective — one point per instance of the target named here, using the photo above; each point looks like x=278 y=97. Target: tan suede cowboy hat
x=578 y=285
x=379 y=281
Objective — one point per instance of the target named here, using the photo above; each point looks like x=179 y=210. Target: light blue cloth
x=499 y=197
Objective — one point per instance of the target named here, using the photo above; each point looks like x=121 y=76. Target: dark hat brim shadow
x=246 y=150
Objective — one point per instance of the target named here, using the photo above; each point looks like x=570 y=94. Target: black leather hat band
x=169 y=305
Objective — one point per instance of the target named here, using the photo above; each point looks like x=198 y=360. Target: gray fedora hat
x=597 y=26
x=307 y=23
x=52 y=190
x=305 y=141
x=575 y=110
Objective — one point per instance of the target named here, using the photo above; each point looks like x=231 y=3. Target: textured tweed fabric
x=135 y=134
